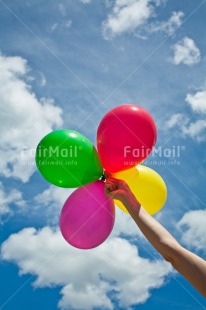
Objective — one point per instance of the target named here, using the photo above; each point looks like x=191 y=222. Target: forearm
x=192 y=267
x=156 y=234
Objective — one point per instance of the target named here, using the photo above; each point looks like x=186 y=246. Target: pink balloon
x=125 y=137
x=87 y=217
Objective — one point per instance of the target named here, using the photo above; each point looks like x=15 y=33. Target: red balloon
x=125 y=137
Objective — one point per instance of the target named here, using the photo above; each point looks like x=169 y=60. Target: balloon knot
x=103 y=178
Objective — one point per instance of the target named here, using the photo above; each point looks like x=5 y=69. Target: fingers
x=115 y=188
x=115 y=182
x=119 y=183
x=110 y=185
x=108 y=190
x=110 y=194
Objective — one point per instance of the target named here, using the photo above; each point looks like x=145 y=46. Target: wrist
x=130 y=201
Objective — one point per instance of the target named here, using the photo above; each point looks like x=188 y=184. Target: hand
x=117 y=189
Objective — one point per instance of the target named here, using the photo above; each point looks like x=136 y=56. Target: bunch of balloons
x=125 y=137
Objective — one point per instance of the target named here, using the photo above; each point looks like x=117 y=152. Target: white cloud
x=169 y=26
x=62 y=9
x=51 y=202
x=24 y=119
x=196 y=130
x=193 y=229
x=126 y=16
x=7 y=198
x=193 y=129
x=43 y=81
x=92 y=296
x=53 y=196
x=53 y=27
x=197 y=101
x=177 y=119
x=86 y=276
x=57 y=26
x=67 y=23
x=85 y=1
x=186 y=52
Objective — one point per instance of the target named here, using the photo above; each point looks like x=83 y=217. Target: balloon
x=87 y=217
x=68 y=159
x=147 y=186
x=125 y=137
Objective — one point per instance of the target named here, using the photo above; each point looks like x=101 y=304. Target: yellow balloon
x=147 y=186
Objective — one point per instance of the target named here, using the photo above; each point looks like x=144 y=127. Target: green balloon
x=66 y=158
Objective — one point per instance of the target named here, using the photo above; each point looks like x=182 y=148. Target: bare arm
x=191 y=266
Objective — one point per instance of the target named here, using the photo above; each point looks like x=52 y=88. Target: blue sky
x=64 y=65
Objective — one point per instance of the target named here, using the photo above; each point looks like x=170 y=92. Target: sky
x=65 y=64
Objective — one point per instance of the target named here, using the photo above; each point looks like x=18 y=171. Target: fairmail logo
x=162 y=152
